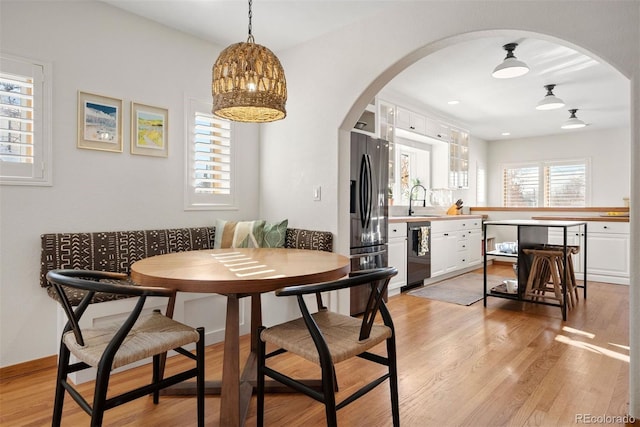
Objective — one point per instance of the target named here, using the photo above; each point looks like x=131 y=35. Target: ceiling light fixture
x=550 y=101
x=511 y=66
x=248 y=83
x=573 y=122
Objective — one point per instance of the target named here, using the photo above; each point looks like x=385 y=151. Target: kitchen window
x=25 y=122
x=546 y=184
x=209 y=183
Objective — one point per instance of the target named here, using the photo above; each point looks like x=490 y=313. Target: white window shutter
x=25 y=125
x=210 y=159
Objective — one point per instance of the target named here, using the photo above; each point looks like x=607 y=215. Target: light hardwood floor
x=508 y=364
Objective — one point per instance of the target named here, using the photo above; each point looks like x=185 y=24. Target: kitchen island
x=533 y=234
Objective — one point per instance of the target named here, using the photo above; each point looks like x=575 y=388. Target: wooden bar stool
x=545 y=274
x=572 y=285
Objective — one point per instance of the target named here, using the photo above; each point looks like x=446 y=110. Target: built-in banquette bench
x=116 y=250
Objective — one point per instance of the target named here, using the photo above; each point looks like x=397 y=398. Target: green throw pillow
x=238 y=234
x=274 y=234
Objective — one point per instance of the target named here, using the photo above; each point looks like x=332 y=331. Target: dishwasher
x=418 y=252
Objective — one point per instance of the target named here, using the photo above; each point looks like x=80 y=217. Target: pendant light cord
x=250 y=38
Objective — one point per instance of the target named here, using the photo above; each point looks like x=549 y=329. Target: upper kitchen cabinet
x=459 y=159
x=413 y=122
x=367 y=121
x=387 y=120
x=387 y=123
x=423 y=149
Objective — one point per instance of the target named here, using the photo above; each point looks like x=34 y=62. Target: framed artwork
x=99 y=122
x=149 y=127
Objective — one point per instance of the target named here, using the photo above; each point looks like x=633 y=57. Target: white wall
x=606 y=150
x=96 y=48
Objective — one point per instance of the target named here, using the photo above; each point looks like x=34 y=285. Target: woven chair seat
x=339 y=331
x=152 y=334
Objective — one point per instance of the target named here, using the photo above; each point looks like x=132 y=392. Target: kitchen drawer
x=607 y=227
x=463 y=244
x=398 y=229
x=456 y=225
x=469 y=224
x=445 y=225
x=466 y=234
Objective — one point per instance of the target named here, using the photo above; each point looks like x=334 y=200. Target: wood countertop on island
x=591 y=213
x=603 y=218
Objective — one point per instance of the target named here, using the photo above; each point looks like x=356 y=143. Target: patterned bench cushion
x=117 y=250
x=309 y=239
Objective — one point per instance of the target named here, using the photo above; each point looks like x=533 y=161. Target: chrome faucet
x=424 y=201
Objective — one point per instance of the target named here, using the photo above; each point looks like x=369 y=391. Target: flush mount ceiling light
x=511 y=66
x=550 y=101
x=248 y=83
x=573 y=122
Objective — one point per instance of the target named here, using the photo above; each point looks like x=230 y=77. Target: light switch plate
x=317 y=193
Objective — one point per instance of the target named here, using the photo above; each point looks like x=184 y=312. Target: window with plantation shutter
x=210 y=166
x=25 y=125
x=520 y=186
x=546 y=184
x=565 y=185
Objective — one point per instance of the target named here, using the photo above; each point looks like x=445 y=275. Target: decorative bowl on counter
x=507 y=247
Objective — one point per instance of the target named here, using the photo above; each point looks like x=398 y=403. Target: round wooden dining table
x=238 y=273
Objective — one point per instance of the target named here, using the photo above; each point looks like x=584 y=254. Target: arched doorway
x=388 y=75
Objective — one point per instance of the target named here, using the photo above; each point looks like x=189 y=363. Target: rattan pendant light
x=248 y=83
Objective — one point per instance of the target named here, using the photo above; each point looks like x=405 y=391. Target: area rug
x=465 y=289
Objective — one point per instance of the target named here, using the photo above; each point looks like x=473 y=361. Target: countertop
x=418 y=218
x=547 y=222
x=604 y=218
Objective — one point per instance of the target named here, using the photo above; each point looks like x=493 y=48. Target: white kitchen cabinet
x=444 y=251
x=455 y=245
x=408 y=120
x=469 y=243
x=397 y=249
x=475 y=247
x=608 y=250
x=459 y=159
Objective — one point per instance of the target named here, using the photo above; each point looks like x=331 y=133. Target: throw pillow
x=274 y=234
x=238 y=234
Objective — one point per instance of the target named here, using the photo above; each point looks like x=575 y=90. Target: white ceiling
x=488 y=107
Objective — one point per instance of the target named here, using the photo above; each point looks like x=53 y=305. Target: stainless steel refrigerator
x=368 y=208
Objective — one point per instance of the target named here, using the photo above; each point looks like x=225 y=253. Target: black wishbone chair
x=327 y=338
x=110 y=346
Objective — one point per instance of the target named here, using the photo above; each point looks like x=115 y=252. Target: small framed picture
x=149 y=127
x=99 y=122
